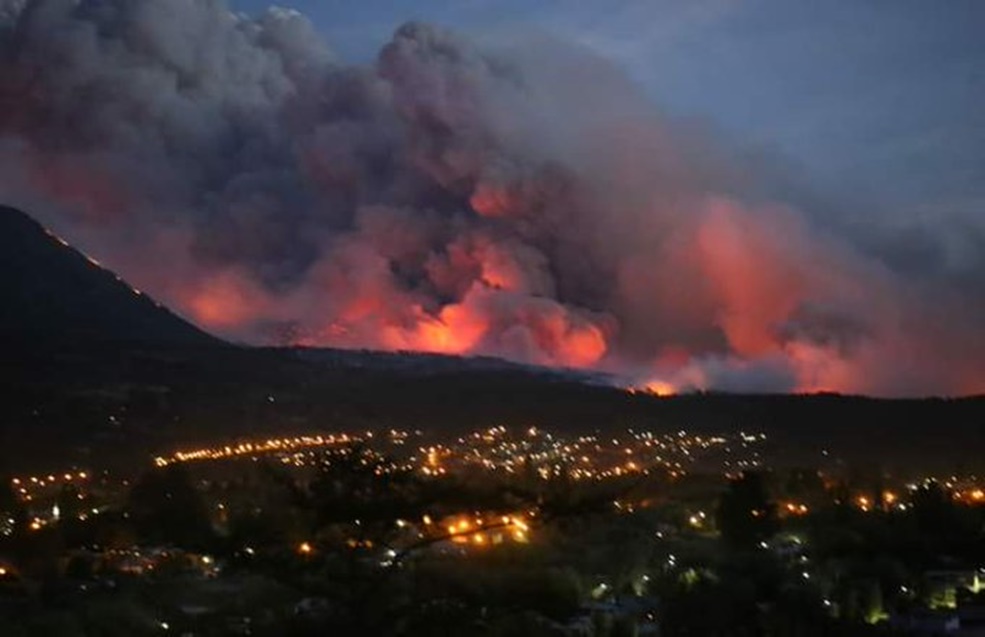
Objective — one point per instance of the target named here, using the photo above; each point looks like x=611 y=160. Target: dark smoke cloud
x=523 y=200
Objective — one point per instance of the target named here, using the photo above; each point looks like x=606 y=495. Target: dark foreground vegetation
x=358 y=546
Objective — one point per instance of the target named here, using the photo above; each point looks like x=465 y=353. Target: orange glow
x=456 y=330
x=758 y=280
x=304 y=548
x=360 y=309
x=96 y=192
x=500 y=279
x=660 y=388
x=500 y=269
x=226 y=300
x=490 y=201
x=582 y=347
x=562 y=339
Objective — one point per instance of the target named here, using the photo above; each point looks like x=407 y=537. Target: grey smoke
x=236 y=168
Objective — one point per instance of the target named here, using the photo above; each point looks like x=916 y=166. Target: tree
x=13 y=514
x=745 y=514
x=165 y=508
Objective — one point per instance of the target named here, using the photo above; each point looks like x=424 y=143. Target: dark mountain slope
x=51 y=296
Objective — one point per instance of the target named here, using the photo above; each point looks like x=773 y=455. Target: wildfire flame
x=450 y=198
x=660 y=388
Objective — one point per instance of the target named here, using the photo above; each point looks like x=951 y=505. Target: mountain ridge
x=53 y=294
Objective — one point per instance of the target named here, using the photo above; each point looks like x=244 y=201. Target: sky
x=880 y=102
x=749 y=195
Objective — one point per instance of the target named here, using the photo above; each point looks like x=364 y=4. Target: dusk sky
x=877 y=101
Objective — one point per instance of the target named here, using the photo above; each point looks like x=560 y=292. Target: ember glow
x=530 y=204
x=660 y=388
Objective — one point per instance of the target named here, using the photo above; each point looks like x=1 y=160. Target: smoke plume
x=524 y=201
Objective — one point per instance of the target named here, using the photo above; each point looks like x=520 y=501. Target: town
x=520 y=529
